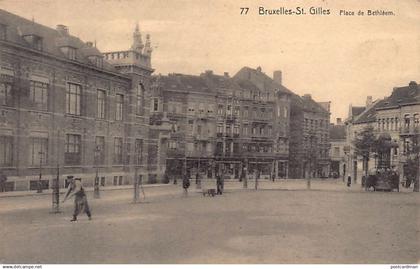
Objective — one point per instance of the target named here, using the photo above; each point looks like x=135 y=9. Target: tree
x=412 y=166
x=365 y=143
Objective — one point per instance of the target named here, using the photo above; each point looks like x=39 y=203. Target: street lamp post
x=96 y=193
x=40 y=172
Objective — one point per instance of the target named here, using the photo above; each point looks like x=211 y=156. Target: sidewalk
x=230 y=185
x=63 y=190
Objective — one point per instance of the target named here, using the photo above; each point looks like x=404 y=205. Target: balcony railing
x=409 y=130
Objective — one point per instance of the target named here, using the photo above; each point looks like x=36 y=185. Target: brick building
x=62 y=105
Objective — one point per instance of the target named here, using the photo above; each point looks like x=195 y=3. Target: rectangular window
x=119 y=105
x=172 y=144
x=236 y=111
x=73 y=99
x=228 y=130
x=6 y=94
x=118 y=150
x=156 y=104
x=220 y=129
x=236 y=130
x=37 y=42
x=220 y=110
x=6 y=151
x=100 y=104
x=38 y=95
x=245 y=112
x=39 y=151
x=100 y=150
x=73 y=149
x=245 y=130
x=229 y=110
x=138 y=150
x=71 y=53
x=139 y=108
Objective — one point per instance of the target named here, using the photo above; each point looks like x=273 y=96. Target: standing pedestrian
x=349 y=181
x=186 y=183
x=80 y=200
x=222 y=183
x=218 y=181
x=257 y=177
x=3 y=179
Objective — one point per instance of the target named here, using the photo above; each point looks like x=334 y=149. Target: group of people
x=186 y=182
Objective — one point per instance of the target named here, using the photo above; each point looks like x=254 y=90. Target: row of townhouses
x=396 y=117
x=67 y=108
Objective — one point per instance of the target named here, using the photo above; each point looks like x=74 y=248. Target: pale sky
x=335 y=58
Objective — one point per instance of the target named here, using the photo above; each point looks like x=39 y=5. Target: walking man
x=80 y=200
x=349 y=181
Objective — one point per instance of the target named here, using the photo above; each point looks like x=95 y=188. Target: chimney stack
x=62 y=29
x=339 y=122
x=226 y=74
x=89 y=44
x=277 y=76
x=368 y=101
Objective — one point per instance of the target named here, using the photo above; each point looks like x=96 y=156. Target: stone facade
x=309 y=138
x=338 y=165
x=223 y=123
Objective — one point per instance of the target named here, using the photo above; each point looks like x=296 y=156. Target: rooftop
x=19 y=28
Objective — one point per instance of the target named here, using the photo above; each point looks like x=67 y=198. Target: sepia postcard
x=157 y=132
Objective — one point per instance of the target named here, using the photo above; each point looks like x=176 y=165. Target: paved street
x=280 y=223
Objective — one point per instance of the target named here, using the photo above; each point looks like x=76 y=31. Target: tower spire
x=137 y=42
x=148 y=46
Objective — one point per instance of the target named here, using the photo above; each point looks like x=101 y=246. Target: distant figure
x=273 y=177
x=349 y=181
x=3 y=179
x=220 y=182
x=80 y=200
x=257 y=177
x=186 y=183
x=241 y=176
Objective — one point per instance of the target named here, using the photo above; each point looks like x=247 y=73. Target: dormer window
x=70 y=52
x=3 y=31
x=97 y=61
x=35 y=41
